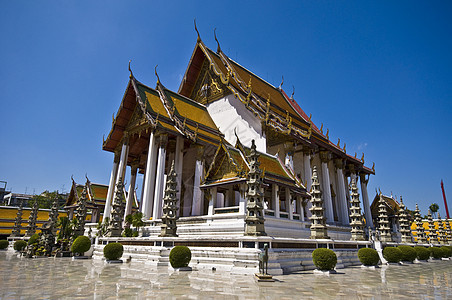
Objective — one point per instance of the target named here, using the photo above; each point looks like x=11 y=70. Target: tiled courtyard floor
x=60 y=278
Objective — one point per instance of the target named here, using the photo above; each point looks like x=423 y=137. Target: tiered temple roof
x=281 y=114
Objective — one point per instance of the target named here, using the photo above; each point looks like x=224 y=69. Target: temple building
x=95 y=203
x=206 y=128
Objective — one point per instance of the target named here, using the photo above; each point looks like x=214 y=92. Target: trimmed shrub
x=408 y=253
x=422 y=253
x=447 y=252
x=324 y=259
x=33 y=239
x=3 y=244
x=81 y=245
x=368 y=256
x=180 y=256
x=20 y=245
x=392 y=254
x=113 y=251
x=436 y=252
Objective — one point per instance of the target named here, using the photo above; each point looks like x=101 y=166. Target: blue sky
x=377 y=74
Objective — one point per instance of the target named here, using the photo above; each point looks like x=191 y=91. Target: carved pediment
x=208 y=86
x=137 y=122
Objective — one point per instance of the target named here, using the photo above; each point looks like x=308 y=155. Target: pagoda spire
x=80 y=214
x=355 y=214
x=318 y=227
x=383 y=222
x=420 y=234
x=404 y=223
x=117 y=214
x=441 y=231
x=432 y=235
x=169 y=216
x=254 y=219
x=31 y=227
x=17 y=221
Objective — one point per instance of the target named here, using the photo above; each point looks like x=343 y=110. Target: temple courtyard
x=56 y=278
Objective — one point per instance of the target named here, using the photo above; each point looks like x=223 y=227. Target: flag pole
x=445 y=202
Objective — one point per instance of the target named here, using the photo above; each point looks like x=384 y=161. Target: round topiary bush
x=422 y=253
x=180 y=256
x=113 y=251
x=368 y=256
x=447 y=252
x=33 y=239
x=20 y=245
x=81 y=245
x=408 y=253
x=436 y=252
x=3 y=244
x=324 y=259
x=392 y=254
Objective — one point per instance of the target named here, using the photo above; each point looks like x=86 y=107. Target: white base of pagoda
x=235 y=254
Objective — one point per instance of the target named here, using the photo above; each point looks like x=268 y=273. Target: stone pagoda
x=80 y=215
x=420 y=234
x=404 y=223
x=441 y=232
x=17 y=222
x=432 y=235
x=318 y=226
x=169 y=216
x=355 y=214
x=448 y=232
x=31 y=227
x=254 y=219
x=383 y=222
x=114 y=228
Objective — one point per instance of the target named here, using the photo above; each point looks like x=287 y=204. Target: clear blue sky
x=377 y=74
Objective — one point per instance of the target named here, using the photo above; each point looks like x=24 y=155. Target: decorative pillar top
x=339 y=163
x=324 y=156
x=351 y=167
x=163 y=140
x=306 y=151
x=199 y=151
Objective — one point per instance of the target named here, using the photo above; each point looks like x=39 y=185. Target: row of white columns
x=154 y=178
x=343 y=213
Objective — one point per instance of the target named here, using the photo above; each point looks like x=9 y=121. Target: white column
x=131 y=193
x=307 y=176
x=160 y=179
x=341 y=196
x=212 y=201
x=289 y=203
x=149 y=179
x=111 y=187
x=326 y=188
x=196 y=209
x=178 y=164
x=275 y=198
x=242 y=202
x=367 y=212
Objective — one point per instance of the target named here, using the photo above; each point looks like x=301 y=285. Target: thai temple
x=207 y=129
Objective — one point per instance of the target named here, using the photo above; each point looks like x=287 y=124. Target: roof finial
x=158 y=78
x=130 y=70
x=199 y=38
x=218 y=43
x=293 y=92
x=282 y=82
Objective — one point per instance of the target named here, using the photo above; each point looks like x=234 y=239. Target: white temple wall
x=188 y=175
x=230 y=115
x=298 y=165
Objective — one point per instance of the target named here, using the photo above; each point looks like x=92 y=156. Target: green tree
x=46 y=198
x=434 y=208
